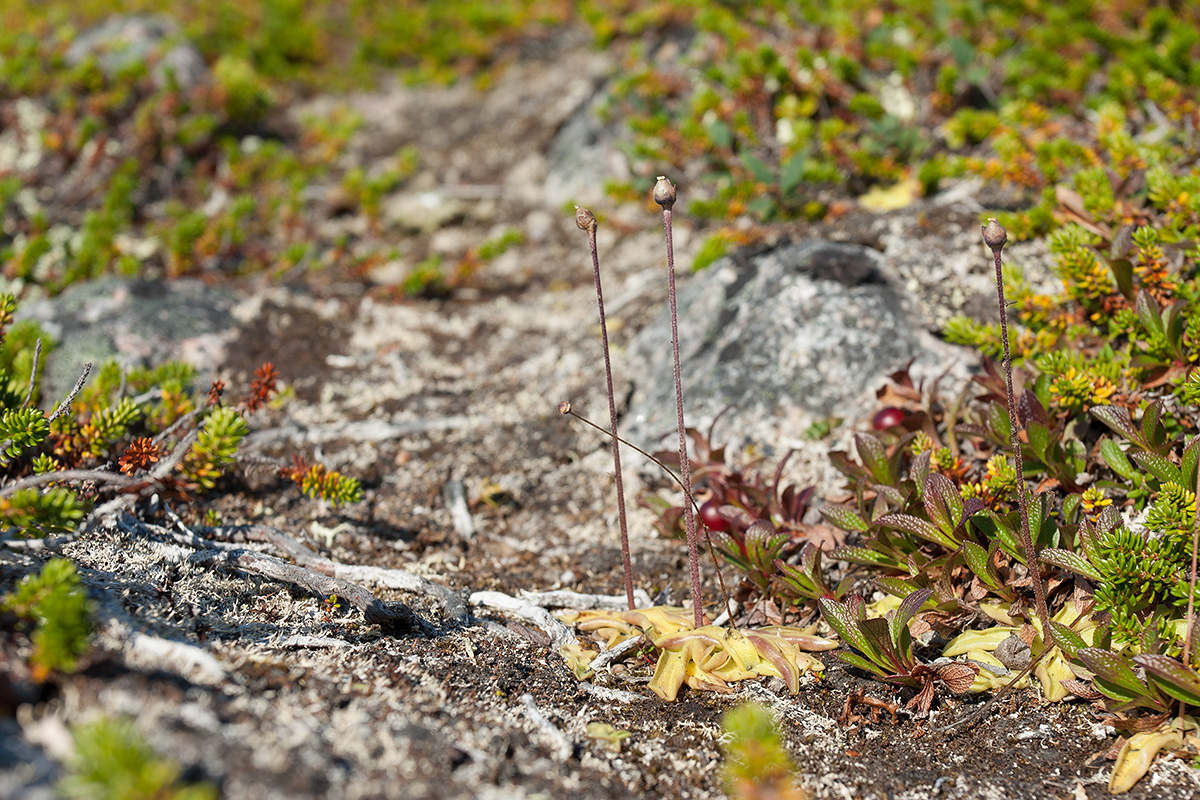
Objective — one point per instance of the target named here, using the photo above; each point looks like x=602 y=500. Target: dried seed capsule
x=664 y=192
x=585 y=219
x=994 y=235
x=564 y=407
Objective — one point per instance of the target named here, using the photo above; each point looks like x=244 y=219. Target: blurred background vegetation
x=771 y=111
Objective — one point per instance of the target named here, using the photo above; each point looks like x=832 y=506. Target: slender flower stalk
x=586 y=221
x=664 y=195
x=994 y=236
x=1186 y=656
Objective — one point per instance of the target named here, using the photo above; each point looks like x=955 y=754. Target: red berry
x=888 y=417
x=711 y=515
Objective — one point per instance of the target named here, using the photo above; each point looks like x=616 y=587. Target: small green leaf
x=864 y=555
x=918 y=470
x=944 y=504
x=1088 y=539
x=1173 y=326
x=792 y=172
x=918 y=527
x=1122 y=271
x=1070 y=506
x=1116 y=460
x=894 y=496
x=908 y=609
x=998 y=422
x=898 y=587
x=1148 y=314
x=839 y=617
x=1153 y=431
x=995 y=529
x=855 y=660
x=1114 y=674
x=877 y=631
x=1117 y=418
x=755 y=166
x=980 y=562
x=1039 y=438
x=874 y=457
x=1066 y=639
x=1188 y=462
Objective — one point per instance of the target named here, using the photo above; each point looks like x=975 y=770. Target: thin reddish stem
x=995 y=236
x=626 y=563
x=1191 y=606
x=685 y=467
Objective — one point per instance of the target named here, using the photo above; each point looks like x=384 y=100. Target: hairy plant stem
x=586 y=220
x=1186 y=656
x=664 y=195
x=995 y=236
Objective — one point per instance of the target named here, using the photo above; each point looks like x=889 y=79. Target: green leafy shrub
x=245 y=96
x=756 y=763
x=112 y=761
x=317 y=480
x=215 y=448
x=57 y=606
x=133 y=418
x=787 y=103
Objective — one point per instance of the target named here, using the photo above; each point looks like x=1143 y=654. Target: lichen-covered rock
x=139 y=323
x=786 y=337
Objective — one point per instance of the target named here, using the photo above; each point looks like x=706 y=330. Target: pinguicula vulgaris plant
x=994 y=236
x=753 y=521
x=702 y=656
x=664 y=195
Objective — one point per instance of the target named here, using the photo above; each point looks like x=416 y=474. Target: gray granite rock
x=786 y=337
x=123 y=40
x=584 y=155
x=422 y=212
x=138 y=323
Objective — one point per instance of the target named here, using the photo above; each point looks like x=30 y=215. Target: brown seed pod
x=585 y=219
x=994 y=235
x=664 y=192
